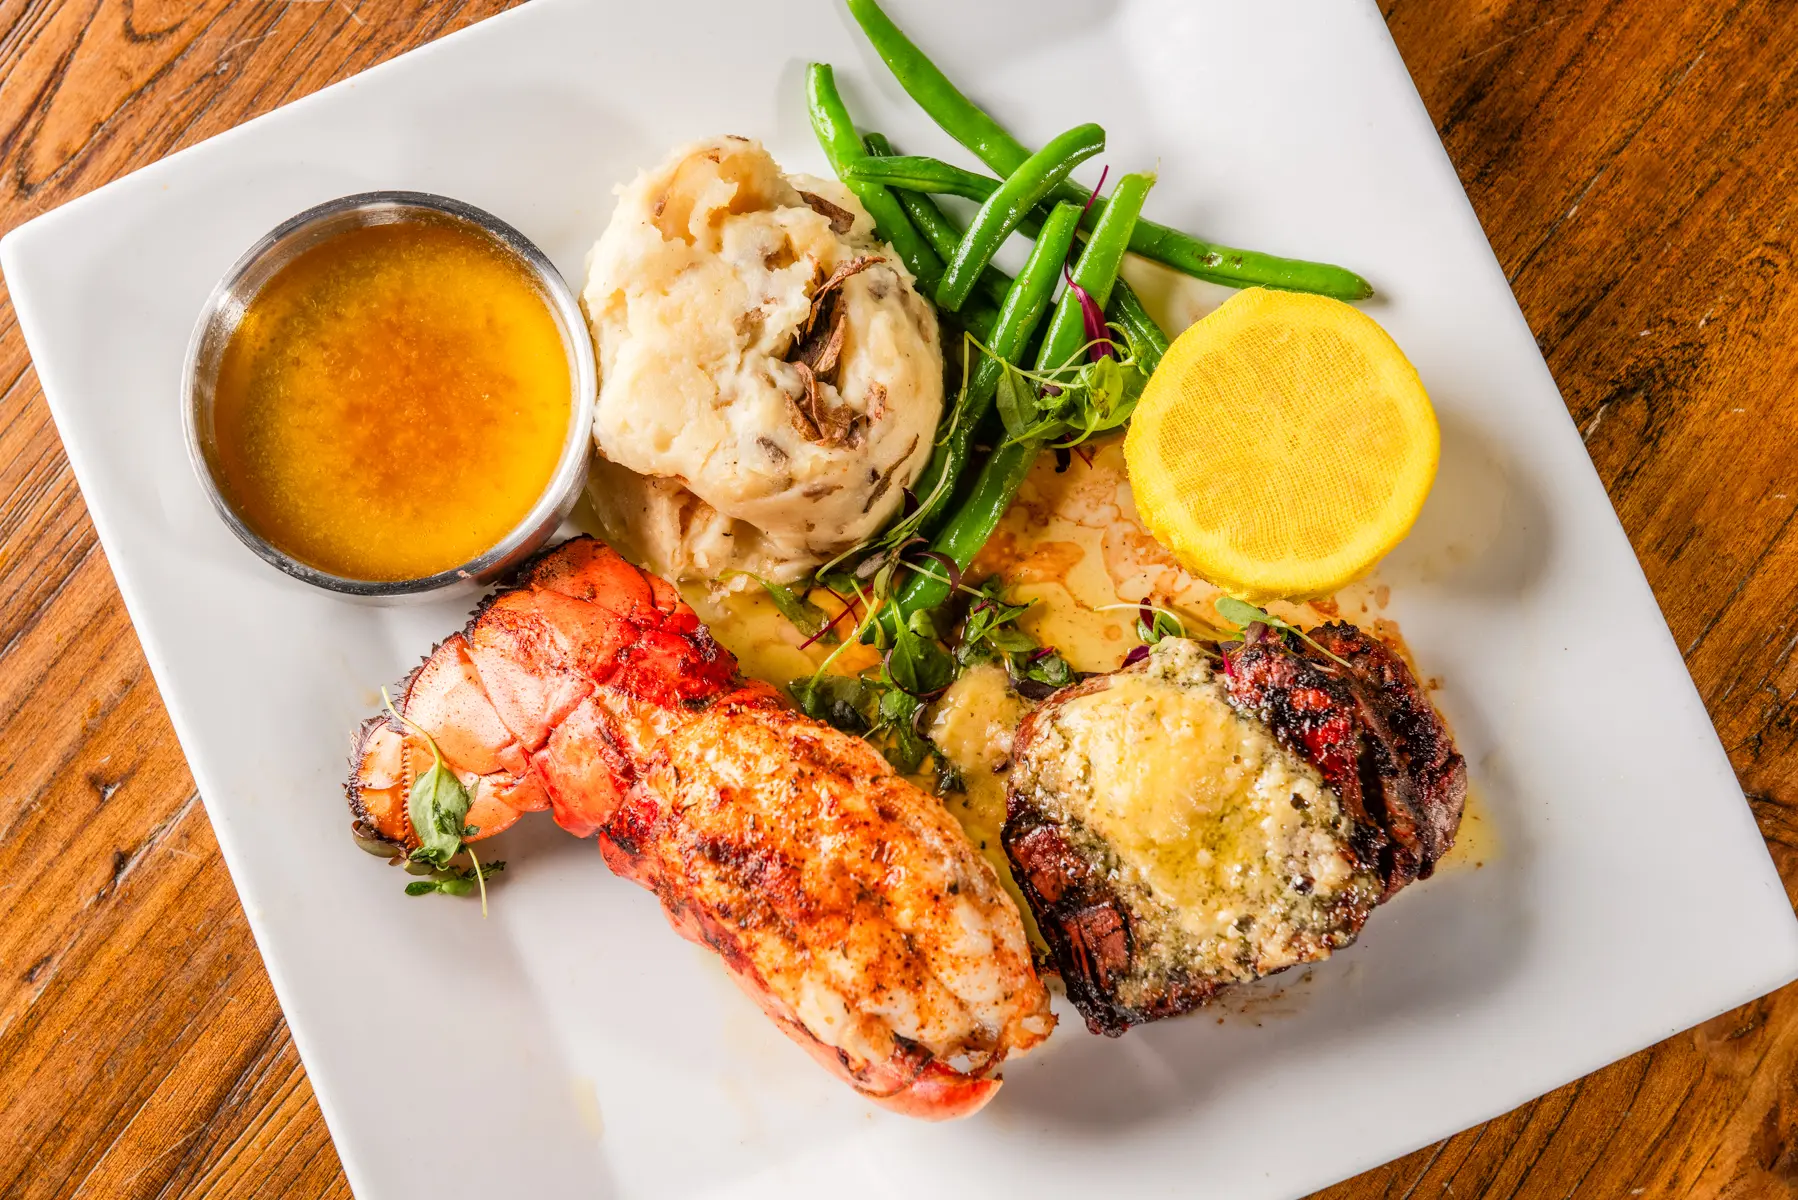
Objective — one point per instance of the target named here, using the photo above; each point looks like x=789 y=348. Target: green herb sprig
x=438 y=805
x=456 y=882
x=990 y=633
x=888 y=704
x=1077 y=401
x=795 y=606
x=1162 y=623
x=1244 y=614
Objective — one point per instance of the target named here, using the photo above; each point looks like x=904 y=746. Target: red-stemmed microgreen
x=1092 y=315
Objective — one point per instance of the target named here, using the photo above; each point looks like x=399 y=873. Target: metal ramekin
x=225 y=309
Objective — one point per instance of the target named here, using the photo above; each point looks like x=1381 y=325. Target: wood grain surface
x=1633 y=164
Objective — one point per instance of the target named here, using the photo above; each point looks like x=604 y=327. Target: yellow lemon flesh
x=1283 y=446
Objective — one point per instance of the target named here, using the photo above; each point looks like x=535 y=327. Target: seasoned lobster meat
x=842 y=898
x=1202 y=819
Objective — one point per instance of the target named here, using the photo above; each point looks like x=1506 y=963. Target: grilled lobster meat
x=840 y=897
x=1205 y=818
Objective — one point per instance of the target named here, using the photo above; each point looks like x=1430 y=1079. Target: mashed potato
x=770 y=380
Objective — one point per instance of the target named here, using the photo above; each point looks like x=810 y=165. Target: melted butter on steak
x=1224 y=855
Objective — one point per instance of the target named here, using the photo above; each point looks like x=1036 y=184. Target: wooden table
x=1635 y=163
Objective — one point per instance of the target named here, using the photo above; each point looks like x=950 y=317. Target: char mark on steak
x=1370 y=731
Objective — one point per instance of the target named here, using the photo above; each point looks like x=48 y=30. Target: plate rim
x=1781 y=968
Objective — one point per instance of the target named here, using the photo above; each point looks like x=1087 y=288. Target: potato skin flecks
x=770 y=379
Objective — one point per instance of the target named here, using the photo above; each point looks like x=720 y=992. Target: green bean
x=935 y=224
x=930 y=221
x=918 y=174
x=964 y=121
x=959 y=117
x=940 y=231
x=1243 y=268
x=1020 y=192
x=1025 y=302
x=1126 y=309
x=970 y=526
x=836 y=134
x=978 y=318
x=968 y=529
x=1023 y=310
x=1187 y=254
x=921 y=173
x=1095 y=273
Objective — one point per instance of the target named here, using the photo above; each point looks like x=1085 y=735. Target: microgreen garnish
x=916 y=663
x=795 y=606
x=1092 y=313
x=990 y=633
x=1244 y=614
x=1092 y=393
x=837 y=700
x=948 y=777
x=457 y=882
x=1013 y=398
x=437 y=806
x=1153 y=624
x=872 y=707
x=900 y=729
x=437 y=803
x=888 y=704
x=1040 y=673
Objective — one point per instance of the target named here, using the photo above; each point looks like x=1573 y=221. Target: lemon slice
x=1284 y=445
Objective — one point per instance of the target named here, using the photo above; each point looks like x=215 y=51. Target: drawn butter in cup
x=390 y=395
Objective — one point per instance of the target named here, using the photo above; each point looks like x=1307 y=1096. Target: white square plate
x=572 y=1045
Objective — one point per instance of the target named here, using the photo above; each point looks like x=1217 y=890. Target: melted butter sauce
x=1073 y=542
x=1476 y=841
x=766 y=645
x=973 y=725
x=1198 y=802
x=393 y=403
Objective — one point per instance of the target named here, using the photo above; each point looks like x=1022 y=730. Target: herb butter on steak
x=1203 y=819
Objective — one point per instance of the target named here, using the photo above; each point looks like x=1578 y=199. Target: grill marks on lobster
x=841 y=897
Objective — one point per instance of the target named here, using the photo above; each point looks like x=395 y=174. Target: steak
x=1209 y=816
x=1369 y=729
